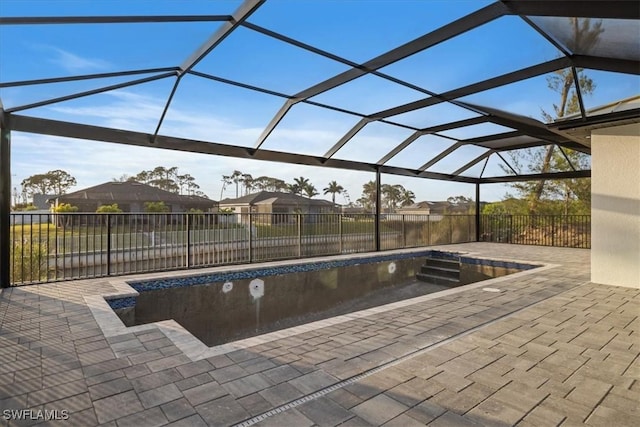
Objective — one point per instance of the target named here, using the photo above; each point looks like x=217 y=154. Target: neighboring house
x=425 y=208
x=438 y=208
x=275 y=207
x=130 y=196
x=40 y=201
x=36 y=216
x=354 y=211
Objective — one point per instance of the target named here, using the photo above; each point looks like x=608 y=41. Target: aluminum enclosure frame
x=557 y=134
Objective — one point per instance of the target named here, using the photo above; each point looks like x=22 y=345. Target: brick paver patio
x=541 y=349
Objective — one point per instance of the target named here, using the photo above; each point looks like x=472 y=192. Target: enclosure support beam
x=537 y=177
x=377 y=219
x=5 y=200
x=40 y=126
x=239 y=16
x=477 y=212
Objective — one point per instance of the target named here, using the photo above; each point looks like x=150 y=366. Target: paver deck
x=549 y=348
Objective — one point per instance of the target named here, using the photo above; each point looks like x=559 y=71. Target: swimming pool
x=223 y=307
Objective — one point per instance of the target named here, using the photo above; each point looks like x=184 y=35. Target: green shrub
x=64 y=208
x=24 y=207
x=109 y=209
x=28 y=262
x=155 y=207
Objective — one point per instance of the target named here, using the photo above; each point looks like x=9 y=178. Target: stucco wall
x=615 y=206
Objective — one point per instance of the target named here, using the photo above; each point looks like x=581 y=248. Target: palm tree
x=407 y=197
x=301 y=181
x=333 y=188
x=391 y=194
x=299 y=185
x=310 y=190
x=294 y=189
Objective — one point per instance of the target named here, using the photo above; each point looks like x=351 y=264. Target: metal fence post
x=510 y=228
x=477 y=213
x=250 y=237
x=108 y=244
x=553 y=230
x=340 y=231
x=404 y=234
x=376 y=225
x=299 y=235
x=188 y=226
x=5 y=205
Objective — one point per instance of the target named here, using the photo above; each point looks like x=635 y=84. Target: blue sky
x=357 y=30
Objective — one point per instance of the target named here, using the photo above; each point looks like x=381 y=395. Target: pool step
x=452 y=272
x=440 y=271
x=437 y=280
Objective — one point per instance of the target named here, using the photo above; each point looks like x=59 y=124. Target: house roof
x=426 y=204
x=131 y=191
x=266 y=197
x=437 y=206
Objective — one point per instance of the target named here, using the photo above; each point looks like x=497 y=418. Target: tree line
x=168 y=179
x=53 y=182
x=58 y=182
x=392 y=195
x=246 y=184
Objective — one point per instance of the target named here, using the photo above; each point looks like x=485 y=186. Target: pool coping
x=112 y=326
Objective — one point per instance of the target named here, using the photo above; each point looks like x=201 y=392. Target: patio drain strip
x=356 y=378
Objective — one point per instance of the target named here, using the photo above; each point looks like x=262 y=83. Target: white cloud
x=74 y=63
x=118 y=109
